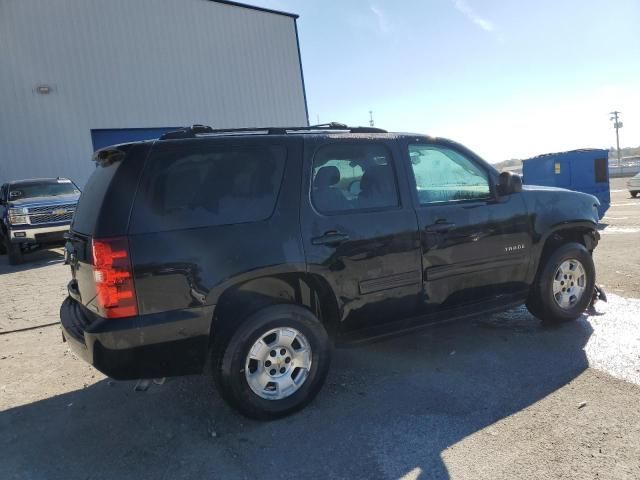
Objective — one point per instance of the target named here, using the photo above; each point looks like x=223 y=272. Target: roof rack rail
x=196 y=130
x=187 y=132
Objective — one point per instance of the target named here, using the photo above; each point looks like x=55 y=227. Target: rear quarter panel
x=190 y=268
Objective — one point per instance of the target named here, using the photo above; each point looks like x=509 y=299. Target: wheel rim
x=278 y=363
x=569 y=283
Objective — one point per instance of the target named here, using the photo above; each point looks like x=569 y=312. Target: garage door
x=112 y=136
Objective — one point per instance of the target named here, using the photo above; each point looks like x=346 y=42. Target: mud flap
x=598 y=294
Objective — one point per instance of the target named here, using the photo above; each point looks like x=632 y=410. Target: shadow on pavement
x=36 y=259
x=387 y=409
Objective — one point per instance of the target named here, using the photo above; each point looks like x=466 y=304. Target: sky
x=507 y=79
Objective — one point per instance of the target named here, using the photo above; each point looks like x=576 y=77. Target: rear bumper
x=35 y=234
x=146 y=346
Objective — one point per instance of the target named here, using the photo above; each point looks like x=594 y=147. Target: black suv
x=251 y=249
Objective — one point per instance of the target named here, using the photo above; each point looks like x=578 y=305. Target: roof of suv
x=196 y=131
x=327 y=129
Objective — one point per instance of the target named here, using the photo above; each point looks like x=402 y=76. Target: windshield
x=33 y=190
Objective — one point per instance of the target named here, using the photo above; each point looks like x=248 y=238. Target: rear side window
x=92 y=197
x=197 y=185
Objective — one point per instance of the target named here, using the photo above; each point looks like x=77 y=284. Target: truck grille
x=51 y=214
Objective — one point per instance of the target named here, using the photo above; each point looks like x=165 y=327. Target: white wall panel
x=136 y=64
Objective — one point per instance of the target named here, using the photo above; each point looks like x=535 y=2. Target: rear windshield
x=42 y=189
x=92 y=197
x=207 y=184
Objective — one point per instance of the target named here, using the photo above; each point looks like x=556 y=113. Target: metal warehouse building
x=76 y=75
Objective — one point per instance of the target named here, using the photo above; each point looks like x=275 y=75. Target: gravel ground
x=496 y=397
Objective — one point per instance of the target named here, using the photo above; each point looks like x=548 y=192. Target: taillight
x=115 y=290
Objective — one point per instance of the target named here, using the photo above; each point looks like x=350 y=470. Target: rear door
x=475 y=244
x=359 y=228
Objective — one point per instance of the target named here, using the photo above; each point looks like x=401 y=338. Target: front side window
x=444 y=175
x=350 y=176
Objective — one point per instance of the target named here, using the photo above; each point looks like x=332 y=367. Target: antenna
x=371 y=123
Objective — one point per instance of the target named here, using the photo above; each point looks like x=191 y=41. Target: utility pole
x=371 y=118
x=617 y=124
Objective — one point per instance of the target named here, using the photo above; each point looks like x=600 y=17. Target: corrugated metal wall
x=136 y=64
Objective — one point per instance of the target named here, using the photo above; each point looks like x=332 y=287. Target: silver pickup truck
x=35 y=212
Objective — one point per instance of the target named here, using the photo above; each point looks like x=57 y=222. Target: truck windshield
x=45 y=189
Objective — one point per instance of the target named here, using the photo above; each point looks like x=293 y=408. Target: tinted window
x=444 y=175
x=196 y=186
x=600 y=168
x=353 y=177
x=85 y=216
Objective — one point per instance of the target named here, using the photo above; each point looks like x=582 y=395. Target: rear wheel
x=634 y=194
x=274 y=363
x=564 y=286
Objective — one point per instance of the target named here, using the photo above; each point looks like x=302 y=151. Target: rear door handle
x=439 y=227
x=330 y=238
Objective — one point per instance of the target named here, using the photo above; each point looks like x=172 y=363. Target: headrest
x=326 y=177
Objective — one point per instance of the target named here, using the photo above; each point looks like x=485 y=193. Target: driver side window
x=444 y=175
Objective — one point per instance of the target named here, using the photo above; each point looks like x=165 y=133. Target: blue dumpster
x=580 y=170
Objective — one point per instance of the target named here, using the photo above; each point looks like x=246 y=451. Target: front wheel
x=564 y=285
x=14 y=252
x=274 y=363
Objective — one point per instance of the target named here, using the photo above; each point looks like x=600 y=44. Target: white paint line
x=629 y=204
x=615 y=218
x=610 y=230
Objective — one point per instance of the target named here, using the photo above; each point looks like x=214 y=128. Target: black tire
x=634 y=194
x=230 y=356
x=542 y=303
x=14 y=252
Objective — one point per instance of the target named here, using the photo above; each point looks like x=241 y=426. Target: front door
x=475 y=244
x=360 y=232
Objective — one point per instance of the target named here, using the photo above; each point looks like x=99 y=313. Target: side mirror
x=509 y=183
